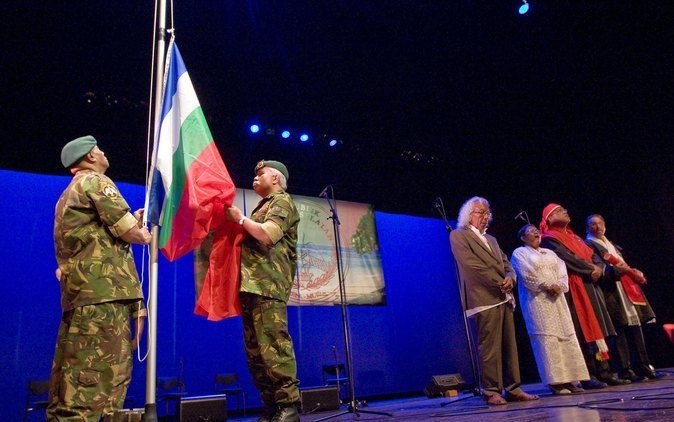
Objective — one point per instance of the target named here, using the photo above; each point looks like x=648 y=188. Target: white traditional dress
x=548 y=320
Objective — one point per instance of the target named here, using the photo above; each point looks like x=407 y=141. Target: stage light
x=254 y=128
x=334 y=143
x=285 y=134
x=524 y=8
x=304 y=137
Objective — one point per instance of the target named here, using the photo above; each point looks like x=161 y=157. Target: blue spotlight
x=333 y=142
x=285 y=134
x=254 y=128
x=304 y=137
x=524 y=8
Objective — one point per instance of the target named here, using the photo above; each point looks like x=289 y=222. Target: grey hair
x=463 y=220
x=281 y=178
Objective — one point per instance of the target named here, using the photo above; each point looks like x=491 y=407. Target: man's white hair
x=281 y=178
x=463 y=220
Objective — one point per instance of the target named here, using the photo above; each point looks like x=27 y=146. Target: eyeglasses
x=482 y=213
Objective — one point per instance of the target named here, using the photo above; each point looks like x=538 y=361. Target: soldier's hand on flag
x=234 y=214
x=137 y=235
x=139 y=214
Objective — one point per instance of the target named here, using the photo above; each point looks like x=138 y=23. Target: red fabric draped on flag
x=217 y=272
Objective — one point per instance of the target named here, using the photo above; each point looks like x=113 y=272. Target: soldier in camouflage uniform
x=268 y=262
x=100 y=290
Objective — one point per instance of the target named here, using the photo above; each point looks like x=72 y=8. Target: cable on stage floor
x=598 y=404
x=652 y=396
x=595 y=406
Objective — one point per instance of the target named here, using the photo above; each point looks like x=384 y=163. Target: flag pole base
x=150 y=412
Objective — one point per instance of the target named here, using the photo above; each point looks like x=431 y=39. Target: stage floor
x=652 y=401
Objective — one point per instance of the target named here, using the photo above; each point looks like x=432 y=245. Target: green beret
x=275 y=165
x=76 y=149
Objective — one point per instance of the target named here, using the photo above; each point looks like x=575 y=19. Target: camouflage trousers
x=269 y=349
x=92 y=363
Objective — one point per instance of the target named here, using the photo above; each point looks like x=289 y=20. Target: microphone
x=324 y=192
x=523 y=216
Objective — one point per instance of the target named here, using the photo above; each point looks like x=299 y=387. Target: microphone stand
x=353 y=405
x=337 y=372
x=476 y=389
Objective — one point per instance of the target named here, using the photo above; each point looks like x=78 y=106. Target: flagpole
x=151 y=366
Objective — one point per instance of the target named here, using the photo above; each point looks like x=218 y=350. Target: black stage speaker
x=203 y=409
x=125 y=415
x=316 y=399
x=441 y=383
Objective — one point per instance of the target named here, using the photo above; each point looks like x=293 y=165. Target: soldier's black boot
x=267 y=414
x=287 y=414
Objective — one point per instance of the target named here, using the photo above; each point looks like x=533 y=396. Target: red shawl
x=629 y=280
x=581 y=301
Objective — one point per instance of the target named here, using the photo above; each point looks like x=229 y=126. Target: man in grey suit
x=487 y=279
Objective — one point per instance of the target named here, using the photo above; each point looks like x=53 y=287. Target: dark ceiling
x=450 y=98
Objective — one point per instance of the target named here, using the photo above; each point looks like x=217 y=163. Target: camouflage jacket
x=270 y=271
x=96 y=265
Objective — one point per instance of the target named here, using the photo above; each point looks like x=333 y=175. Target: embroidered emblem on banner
x=317 y=273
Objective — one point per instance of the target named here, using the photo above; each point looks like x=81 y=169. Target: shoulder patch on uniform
x=278 y=210
x=109 y=190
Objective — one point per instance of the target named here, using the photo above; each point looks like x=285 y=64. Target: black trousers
x=629 y=348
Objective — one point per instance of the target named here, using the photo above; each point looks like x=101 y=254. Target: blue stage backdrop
x=396 y=348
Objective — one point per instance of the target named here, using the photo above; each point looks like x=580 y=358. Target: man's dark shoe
x=649 y=373
x=656 y=375
x=611 y=380
x=630 y=375
x=286 y=414
x=267 y=414
x=593 y=384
